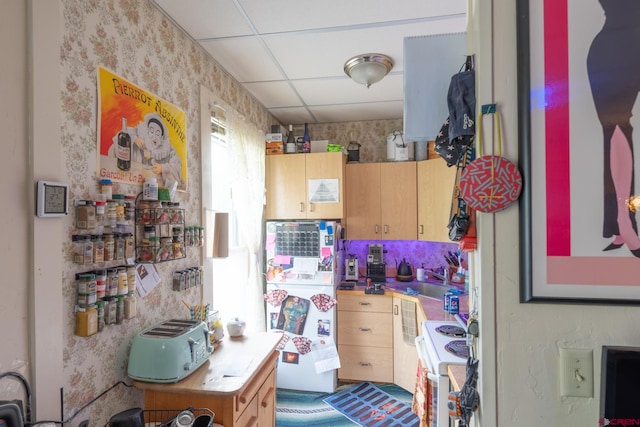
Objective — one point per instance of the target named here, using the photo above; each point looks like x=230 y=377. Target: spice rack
x=160 y=232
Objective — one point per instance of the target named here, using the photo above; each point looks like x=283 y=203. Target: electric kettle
x=404 y=271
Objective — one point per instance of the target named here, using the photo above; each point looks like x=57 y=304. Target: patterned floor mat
x=368 y=406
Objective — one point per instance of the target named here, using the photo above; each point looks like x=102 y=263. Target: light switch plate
x=576 y=372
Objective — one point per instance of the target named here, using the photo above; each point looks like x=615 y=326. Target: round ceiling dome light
x=368 y=68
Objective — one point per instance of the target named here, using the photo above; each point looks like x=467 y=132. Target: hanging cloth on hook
x=461 y=100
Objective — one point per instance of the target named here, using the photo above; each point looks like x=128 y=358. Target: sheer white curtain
x=233 y=181
x=247 y=193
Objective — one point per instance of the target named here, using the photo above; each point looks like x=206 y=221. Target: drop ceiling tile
x=245 y=58
x=274 y=94
x=358 y=112
x=293 y=15
x=293 y=115
x=204 y=19
x=307 y=55
x=343 y=90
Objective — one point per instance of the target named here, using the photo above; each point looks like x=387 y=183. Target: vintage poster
x=139 y=135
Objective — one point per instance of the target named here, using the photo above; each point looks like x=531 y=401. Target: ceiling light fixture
x=368 y=68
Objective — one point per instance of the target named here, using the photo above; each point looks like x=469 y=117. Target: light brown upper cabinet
x=305 y=186
x=435 y=191
x=381 y=201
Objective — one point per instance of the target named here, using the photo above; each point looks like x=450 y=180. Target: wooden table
x=238 y=383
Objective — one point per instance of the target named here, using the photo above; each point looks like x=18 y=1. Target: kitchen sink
x=428 y=289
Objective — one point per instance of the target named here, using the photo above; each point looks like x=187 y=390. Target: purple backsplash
x=417 y=253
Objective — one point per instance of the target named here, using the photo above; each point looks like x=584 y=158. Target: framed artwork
x=577 y=112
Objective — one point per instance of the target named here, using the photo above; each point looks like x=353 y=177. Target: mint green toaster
x=169 y=351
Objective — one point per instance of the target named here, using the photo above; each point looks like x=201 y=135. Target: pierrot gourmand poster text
x=139 y=135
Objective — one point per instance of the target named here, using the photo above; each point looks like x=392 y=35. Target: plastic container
x=150 y=189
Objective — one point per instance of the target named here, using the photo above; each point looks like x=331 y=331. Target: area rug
x=308 y=409
x=367 y=405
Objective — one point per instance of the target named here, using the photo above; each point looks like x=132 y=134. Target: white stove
x=441 y=344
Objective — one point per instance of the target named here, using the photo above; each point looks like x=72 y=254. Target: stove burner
x=451 y=331
x=458 y=348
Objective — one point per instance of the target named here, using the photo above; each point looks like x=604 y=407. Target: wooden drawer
x=249 y=418
x=365 y=328
x=362 y=302
x=366 y=363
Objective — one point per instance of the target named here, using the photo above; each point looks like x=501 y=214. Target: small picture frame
x=52 y=199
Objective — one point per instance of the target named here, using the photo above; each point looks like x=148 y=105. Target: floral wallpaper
x=136 y=41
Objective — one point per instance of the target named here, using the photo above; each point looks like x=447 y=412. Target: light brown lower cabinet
x=407 y=323
x=365 y=338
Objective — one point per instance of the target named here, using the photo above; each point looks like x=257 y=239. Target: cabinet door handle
x=421 y=229
x=242 y=399
x=386 y=229
x=268 y=398
x=377 y=229
x=301 y=207
x=395 y=309
x=364 y=303
x=364 y=363
x=364 y=329
x=310 y=205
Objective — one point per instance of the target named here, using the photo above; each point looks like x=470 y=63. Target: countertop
x=433 y=310
x=230 y=367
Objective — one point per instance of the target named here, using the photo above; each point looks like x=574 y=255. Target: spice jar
x=85 y=215
x=101 y=283
x=129 y=207
x=119 y=309
x=129 y=245
x=86 y=321
x=106 y=188
x=109 y=246
x=98 y=248
x=119 y=246
x=100 y=211
x=131 y=277
x=130 y=306
x=112 y=282
x=110 y=214
x=100 y=311
x=123 y=284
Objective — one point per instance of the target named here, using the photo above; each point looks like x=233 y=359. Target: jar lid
x=105 y=181
x=118 y=197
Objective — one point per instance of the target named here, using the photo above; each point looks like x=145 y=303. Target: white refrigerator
x=303 y=267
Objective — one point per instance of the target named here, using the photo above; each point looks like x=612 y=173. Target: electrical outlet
x=576 y=372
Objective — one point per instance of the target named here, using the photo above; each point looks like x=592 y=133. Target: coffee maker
x=376 y=268
x=351 y=268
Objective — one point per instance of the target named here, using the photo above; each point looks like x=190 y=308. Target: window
x=233 y=183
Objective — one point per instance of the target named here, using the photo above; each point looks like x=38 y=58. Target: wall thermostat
x=52 y=199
